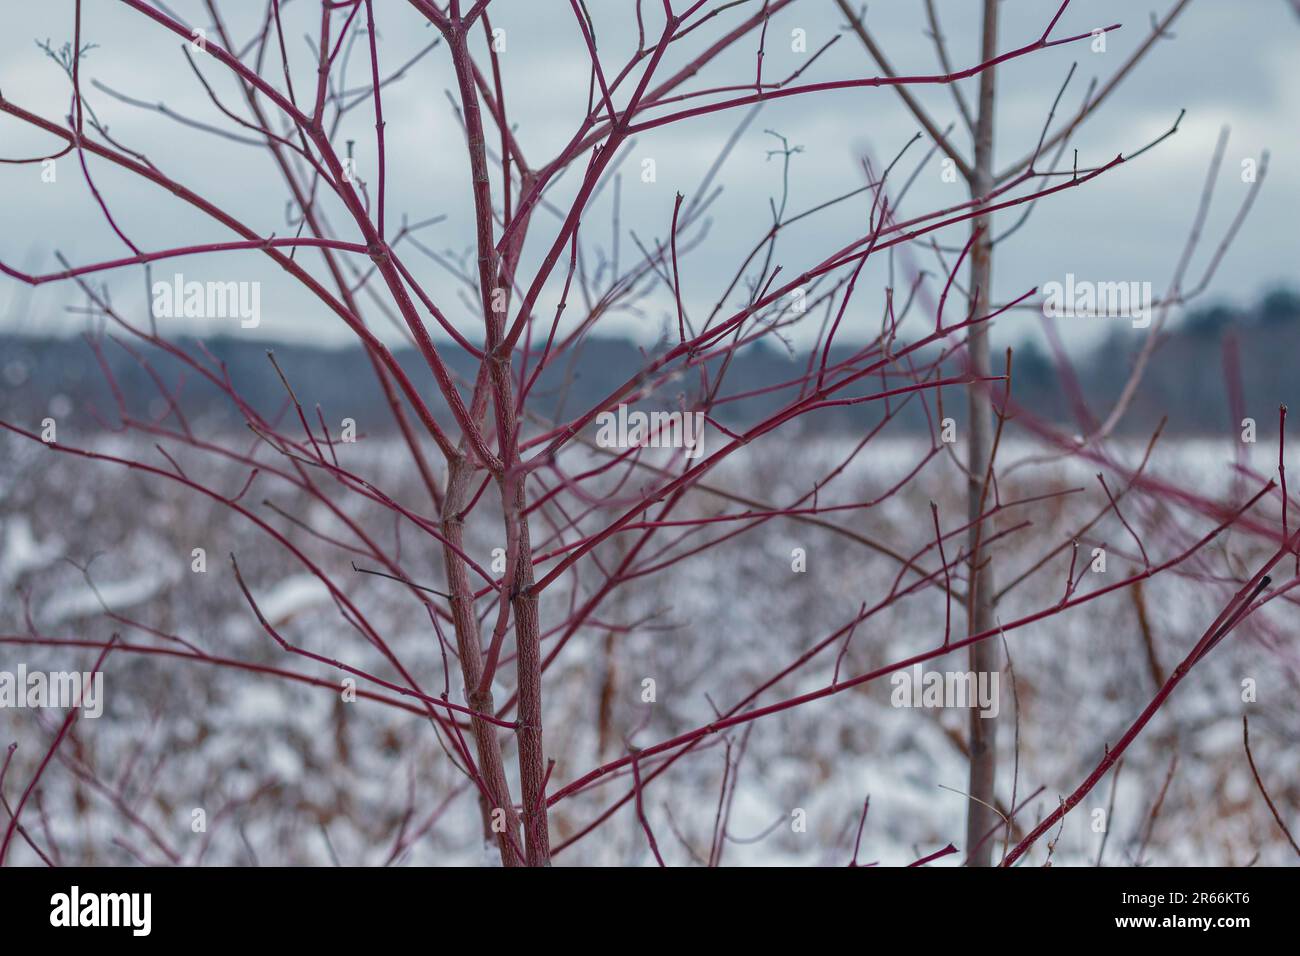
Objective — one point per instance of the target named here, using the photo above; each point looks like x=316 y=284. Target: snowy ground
x=290 y=774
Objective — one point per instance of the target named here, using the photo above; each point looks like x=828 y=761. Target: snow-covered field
x=291 y=774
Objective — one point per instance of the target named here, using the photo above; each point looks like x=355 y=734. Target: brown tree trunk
x=494 y=288
x=470 y=650
x=984 y=656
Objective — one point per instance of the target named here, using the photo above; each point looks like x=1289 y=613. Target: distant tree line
x=1188 y=378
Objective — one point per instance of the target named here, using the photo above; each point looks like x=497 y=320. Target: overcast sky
x=1229 y=62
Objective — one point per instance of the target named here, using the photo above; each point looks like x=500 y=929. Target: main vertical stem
x=528 y=656
x=495 y=804
x=494 y=289
x=984 y=655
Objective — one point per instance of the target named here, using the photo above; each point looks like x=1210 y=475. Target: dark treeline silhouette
x=1188 y=378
